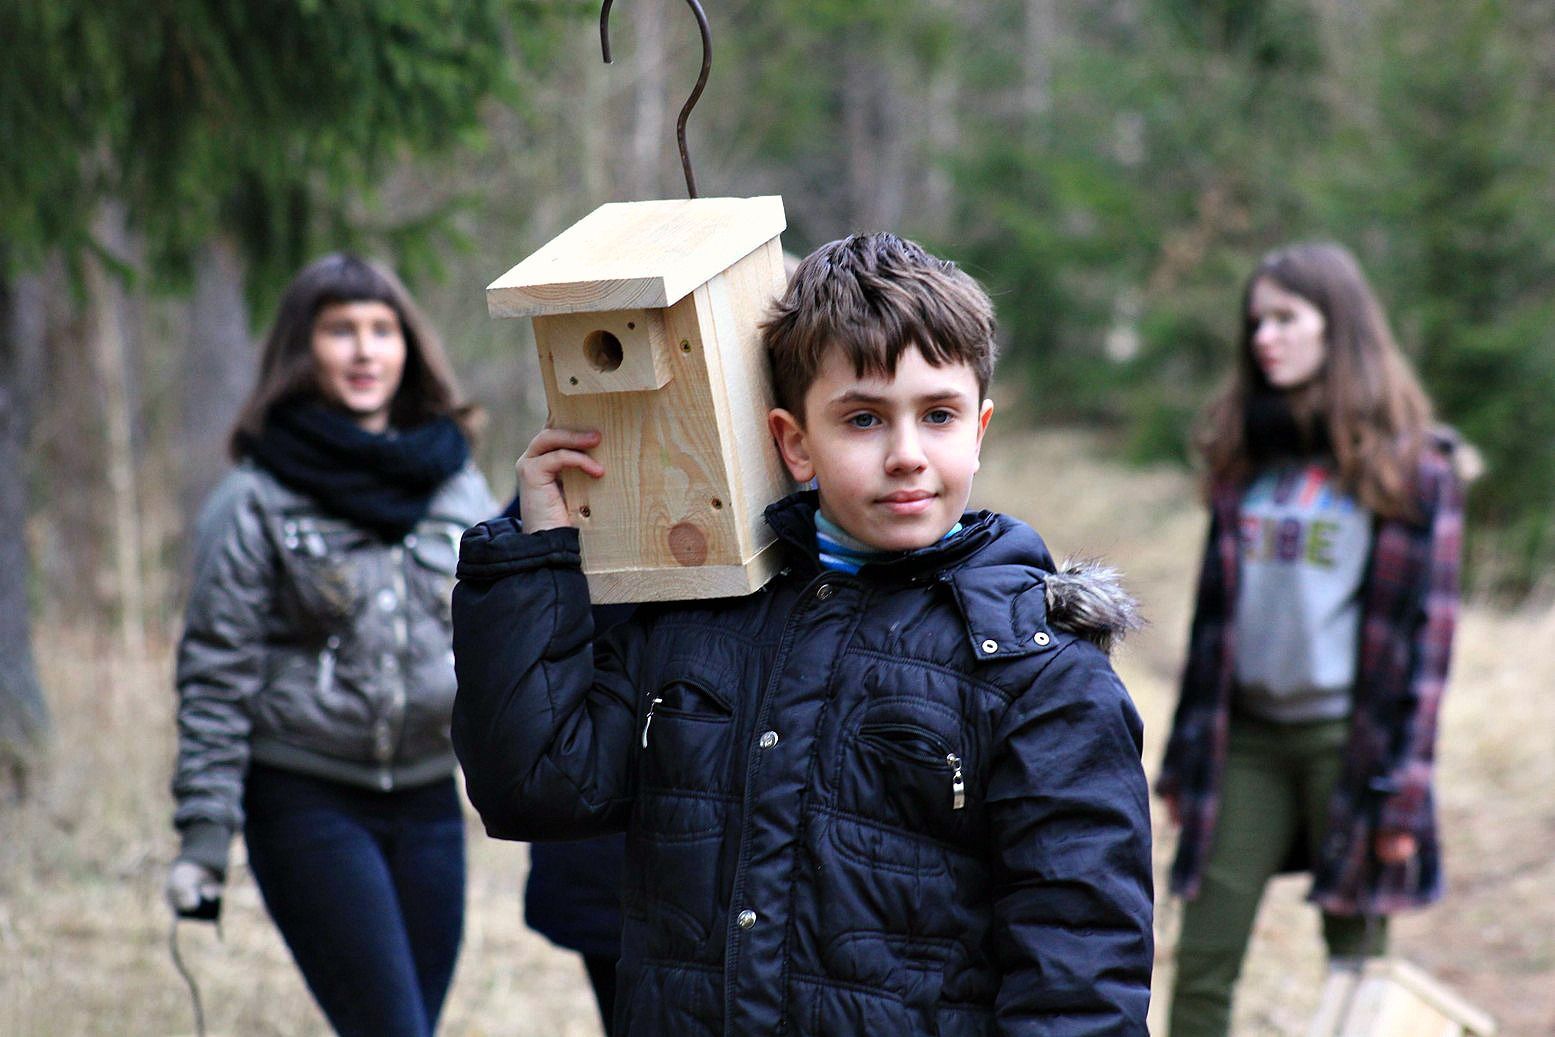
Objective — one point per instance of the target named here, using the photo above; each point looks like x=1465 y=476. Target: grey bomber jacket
x=312 y=645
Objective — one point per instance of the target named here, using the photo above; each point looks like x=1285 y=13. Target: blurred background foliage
x=1110 y=168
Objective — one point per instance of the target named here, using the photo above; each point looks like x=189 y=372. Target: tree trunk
x=24 y=718
x=598 y=160
x=944 y=137
x=217 y=372
x=650 y=134
x=110 y=356
x=859 y=143
x=1041 y=25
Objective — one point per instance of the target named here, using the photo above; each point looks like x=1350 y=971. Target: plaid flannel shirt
x=1409 y=610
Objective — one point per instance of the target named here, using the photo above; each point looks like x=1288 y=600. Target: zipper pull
x=649 y=720
x=957 y=783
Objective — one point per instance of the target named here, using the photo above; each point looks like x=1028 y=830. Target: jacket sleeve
x=1069 y=818
x=220 y=668
x=1407 y=806
x=1198 y=695
x=543 y=730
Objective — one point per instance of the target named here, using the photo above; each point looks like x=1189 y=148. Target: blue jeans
x=367 y=889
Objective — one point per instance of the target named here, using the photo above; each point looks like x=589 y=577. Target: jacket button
x=990 y=647
x=769 y=739
x=387 y=600
x=823 y=592
x=746 y=919
x=1041 y=638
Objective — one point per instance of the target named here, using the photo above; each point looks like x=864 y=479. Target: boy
x=897 y=791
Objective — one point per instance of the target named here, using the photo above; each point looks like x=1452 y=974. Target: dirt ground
x=84 y=934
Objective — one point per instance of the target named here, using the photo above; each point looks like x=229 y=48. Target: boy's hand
x=540 y=498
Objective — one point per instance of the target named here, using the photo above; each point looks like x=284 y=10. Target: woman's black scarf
x=381 y=481
x=1273 y=433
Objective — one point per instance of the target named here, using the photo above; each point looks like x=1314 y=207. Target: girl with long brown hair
x=1304 y=734
x=315 y=674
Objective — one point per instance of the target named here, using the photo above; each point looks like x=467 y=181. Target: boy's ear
x=788 y=432
x=984 y=415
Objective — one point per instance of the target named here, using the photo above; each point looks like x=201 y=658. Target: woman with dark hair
x=1304 y=735
x=315 y=675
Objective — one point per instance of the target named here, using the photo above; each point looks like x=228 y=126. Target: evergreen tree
x=267 y=123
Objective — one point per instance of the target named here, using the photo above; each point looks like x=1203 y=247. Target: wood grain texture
x=708 y=581
x=734 y=303
x=636 y=255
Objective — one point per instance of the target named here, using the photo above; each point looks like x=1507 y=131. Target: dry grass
x=83 y=933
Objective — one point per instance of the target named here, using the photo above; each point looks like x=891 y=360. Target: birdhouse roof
x=636 y=255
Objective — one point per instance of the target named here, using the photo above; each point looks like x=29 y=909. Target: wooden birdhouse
x=646 y=320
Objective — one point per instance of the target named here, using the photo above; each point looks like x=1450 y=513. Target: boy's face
x=893 y=456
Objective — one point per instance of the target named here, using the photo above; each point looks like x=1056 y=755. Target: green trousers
x=1276 y=788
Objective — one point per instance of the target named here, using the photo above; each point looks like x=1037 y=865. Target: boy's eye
x=939 y=417
x=863 y=420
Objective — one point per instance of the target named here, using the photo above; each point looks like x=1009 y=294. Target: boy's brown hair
x=872 y=296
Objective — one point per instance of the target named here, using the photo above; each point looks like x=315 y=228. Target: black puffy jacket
x=904 y=802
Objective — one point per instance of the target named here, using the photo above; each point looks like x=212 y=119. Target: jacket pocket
x=320 y=560
x=686 y=728
x=676 y=846
x=685 y=735
x=907 y=763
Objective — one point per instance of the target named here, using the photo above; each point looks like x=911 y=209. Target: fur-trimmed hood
x=1088 y=599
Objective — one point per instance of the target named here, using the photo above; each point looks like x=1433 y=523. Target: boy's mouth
x=908 y=502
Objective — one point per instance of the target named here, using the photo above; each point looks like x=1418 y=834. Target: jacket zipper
x=957 y=776
x=395 y=720
x=649 y=719
x=326 y=677
x=957 y=783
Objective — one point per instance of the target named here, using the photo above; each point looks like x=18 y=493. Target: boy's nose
x=906 y=452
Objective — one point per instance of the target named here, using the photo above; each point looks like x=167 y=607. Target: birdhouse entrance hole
x=603 y=350
x=606 y=352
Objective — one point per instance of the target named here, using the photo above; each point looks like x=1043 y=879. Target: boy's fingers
x=545 y=467
x=552 y=439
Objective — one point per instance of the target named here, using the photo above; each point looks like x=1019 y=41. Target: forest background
x=1111 y=169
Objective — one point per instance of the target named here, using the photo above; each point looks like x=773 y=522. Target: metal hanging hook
x=696 y=92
